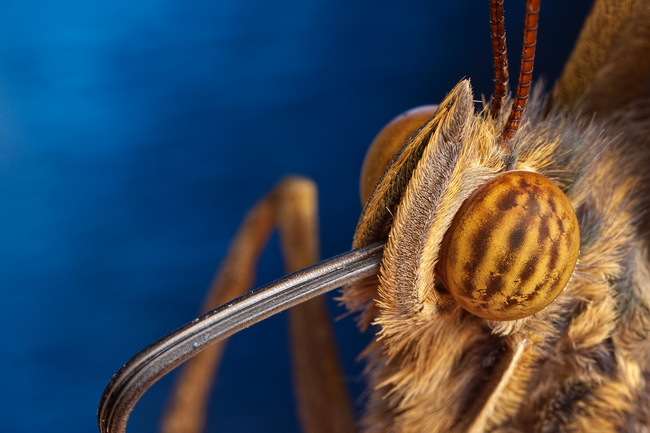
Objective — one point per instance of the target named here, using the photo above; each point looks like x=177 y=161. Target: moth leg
x=323 y=402
x=322 y=398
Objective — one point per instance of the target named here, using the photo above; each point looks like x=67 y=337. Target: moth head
x=463 y=228
x=502 y=242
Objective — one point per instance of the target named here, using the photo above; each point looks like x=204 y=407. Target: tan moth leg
x=323 y=403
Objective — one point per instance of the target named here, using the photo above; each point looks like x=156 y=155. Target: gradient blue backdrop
x=135 y=135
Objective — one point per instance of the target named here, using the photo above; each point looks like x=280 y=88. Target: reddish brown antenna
x=499 y=56
x=525 y=71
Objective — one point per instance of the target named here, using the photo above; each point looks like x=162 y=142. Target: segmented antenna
x=525 y=71
x=499 y=56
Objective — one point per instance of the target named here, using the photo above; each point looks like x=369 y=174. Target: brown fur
x=582 y=363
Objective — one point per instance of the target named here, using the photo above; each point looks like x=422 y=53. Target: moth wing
x=609 y=67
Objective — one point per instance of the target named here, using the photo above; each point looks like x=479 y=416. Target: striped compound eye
x=511 y=248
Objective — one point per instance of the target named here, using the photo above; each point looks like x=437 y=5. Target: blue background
x=135 y=135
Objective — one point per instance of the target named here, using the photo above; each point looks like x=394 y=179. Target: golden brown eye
x=386 y=144
x=511 y=248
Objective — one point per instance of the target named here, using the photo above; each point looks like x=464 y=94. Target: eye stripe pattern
x=511 y=248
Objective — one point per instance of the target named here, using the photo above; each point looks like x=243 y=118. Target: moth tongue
x=145 y=368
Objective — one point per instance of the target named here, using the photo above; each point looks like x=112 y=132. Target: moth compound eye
x=386 y=144
x=511 y=247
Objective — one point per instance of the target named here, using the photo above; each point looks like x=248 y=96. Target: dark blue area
x=135 y=135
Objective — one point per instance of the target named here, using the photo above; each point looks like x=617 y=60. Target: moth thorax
x=511 y=248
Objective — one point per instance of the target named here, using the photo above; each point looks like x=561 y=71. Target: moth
x=578 y=363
